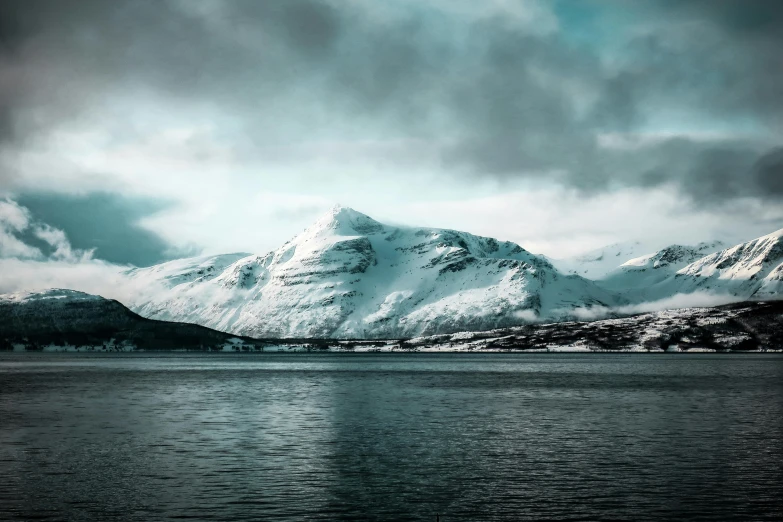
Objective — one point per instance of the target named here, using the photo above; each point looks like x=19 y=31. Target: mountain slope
x=57 y=319
x=351 y=276
x=597 y=263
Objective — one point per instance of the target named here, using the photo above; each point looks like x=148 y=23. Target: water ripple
x=391 y=437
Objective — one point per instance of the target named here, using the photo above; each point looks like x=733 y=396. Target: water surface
x=391 y=436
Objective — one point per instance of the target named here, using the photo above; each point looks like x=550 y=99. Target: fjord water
x=391 y=436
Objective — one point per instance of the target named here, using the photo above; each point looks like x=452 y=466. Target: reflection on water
x=391 y=436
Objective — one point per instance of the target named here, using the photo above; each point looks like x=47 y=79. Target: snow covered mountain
x=650 y=269
x=750 y=270
x=351 y=276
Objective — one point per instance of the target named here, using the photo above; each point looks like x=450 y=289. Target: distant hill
x=65 y=319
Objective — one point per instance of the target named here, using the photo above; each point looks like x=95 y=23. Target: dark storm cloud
x=768 y=171
x=722 y=59
x=106 y=222
x=497 y=100
x=723 y=74
x=750 y=18
x=711 y=173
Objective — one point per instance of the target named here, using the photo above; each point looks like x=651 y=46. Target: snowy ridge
x=638 y=274
x=353 y=277
x=202 y=268
x=752 y=269
x=672 y=256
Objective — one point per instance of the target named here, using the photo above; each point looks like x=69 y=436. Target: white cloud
x=91 y=276
x=13 y=216
x=593 y=313
x=228 y=202
x=16 y=219
x=692 y=300
x=526 y=315
x=59 y=242
x=11 y=246
x=13 y=220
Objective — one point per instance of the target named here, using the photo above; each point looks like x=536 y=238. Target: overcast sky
x=152 y=129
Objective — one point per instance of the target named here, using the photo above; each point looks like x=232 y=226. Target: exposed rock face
x=351 y=276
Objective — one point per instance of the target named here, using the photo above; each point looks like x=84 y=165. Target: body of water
x=391 y=437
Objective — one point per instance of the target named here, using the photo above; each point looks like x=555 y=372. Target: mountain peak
x=339 y=211
x=344 y=220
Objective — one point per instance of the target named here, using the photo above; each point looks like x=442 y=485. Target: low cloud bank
x=90 y=276
x=692 y=300
x=526 y=315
